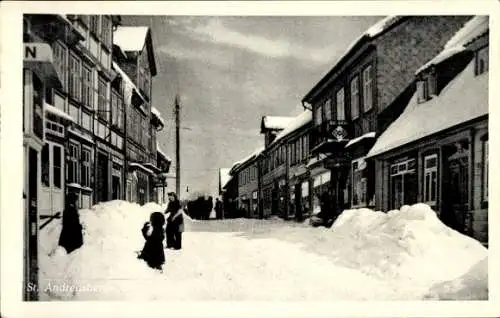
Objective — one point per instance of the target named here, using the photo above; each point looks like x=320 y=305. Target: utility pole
x=177 y=148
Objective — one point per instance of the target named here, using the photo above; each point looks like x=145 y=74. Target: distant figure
x=152 y=252
x=327 y=209
x=209 y=207
x=173 y=207
x=71 y=236
x=218 y=209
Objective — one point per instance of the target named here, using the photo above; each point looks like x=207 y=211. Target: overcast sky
x=229 y=72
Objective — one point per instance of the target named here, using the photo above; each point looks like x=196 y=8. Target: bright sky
x=230 y=71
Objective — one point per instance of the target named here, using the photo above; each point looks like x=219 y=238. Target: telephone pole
x=177 y=148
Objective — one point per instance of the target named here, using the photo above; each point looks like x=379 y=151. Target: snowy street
x=366 y=255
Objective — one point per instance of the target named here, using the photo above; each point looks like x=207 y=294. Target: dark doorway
x=31 y=270
x=102 y=177
x=116 y=188
x=274 y=200
x=298 y=202
x=456 y=186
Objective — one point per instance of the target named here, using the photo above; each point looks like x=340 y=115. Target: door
x=116 y=188
x=52 y=194
x=298 y=201
x=456 y=187
x=274 y=200
x=102 y=177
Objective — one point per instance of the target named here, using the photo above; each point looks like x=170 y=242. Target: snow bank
x=410 y=246
x=473 y=285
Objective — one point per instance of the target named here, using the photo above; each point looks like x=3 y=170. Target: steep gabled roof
x=274 y=122
x=301 y=120
x=133 y=39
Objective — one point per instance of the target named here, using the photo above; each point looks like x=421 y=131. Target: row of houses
x=88 y=123
x=400 y=118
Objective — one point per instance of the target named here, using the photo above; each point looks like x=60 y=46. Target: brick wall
x=408 y=46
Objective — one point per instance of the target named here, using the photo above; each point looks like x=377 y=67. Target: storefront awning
x=152 y=167
x=356 y=140
x=38 y=58
x=135 y=165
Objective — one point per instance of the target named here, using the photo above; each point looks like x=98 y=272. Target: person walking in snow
x=71 y=236
x=175 y=222
x=152 y=232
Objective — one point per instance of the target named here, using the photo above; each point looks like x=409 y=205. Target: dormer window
x=482 y=60
x=426 y=87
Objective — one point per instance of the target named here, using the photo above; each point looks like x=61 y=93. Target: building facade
x=436 y=152
x=371 y=76
x=74 y=119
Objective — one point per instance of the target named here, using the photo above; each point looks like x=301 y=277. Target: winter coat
x=71 y=236
x=173 y=206
x=175 y=222
x=152 y=252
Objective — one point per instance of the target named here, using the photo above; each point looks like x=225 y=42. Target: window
x=87 y=91
x=75 y=83
x=106 y=30
x=57 y=166
x=102 y=101
x=74 y=157
x=45 y=166
x=85 y=172
x=306 y=146
x=355 y=97
x=328 y=109
x=430 y=179
x=422 y=91
x=37 y=106
x=340 y=105
x=482 y=61
x=367 y=88
x=94 y=24
x=317 y=116
x=403 y=179
x=359 y=183
x=485 y=170
x=60 y=61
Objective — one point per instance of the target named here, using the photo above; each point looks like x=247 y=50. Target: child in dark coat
x=71 y=236
x=152 y=231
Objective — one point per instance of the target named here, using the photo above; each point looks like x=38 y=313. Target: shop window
x=403 y=183
x=359 y=183
x=355 y=97
x=57 y=166
x=45 y=166
x=482 y=60
x=430 y=179
x=85 y=172
x=74 y=157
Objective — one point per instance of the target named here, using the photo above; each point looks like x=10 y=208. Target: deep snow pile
x=111 y=235
x=410 y=247
x=473 y=285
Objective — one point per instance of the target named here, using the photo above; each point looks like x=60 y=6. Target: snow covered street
x=366 y=255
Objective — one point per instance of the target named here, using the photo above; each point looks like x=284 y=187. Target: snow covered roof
x=134 y=38
x=224 y=176
x=254 y=154
x=275 y=122
x=157 y=114
x=138 y=165
x=158 y=149
x=57 y=112
x=358 y=139
x=471 y=30
x=463 y=99
x=372 y=32
x=301 y=120
x=127 y=79
x=130 y=38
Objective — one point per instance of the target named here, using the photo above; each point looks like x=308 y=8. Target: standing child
x=152 y=231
